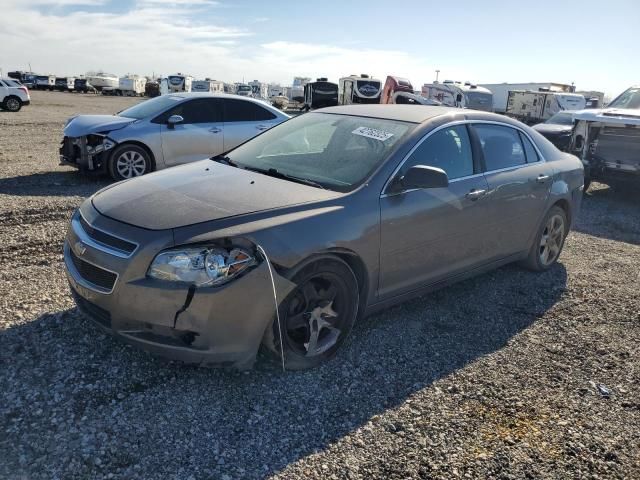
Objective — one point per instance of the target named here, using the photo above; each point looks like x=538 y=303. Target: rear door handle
x=542 y=178
x=262 y=127
x=215 y=130
x=475 y=194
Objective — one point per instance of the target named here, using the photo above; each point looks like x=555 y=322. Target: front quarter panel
x=143 y=132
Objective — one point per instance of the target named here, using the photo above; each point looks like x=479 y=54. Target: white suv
x=13 y=95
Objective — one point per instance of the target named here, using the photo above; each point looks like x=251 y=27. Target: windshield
x=244 y=88
x=628 y=99
x=151 y=108
x=337 y=152
x=561 y=118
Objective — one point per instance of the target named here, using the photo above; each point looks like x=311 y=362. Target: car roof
x=406 y=113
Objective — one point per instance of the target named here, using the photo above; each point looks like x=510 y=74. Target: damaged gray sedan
x=291 y=237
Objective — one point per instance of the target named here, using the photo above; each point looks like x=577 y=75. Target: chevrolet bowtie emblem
x=80 y=248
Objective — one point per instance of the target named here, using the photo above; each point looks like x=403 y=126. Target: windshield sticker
x=373 y=133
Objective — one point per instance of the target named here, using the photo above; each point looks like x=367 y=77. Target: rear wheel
x=12 y=104
x=128 y=161
x=317 y=316
x=549 y=241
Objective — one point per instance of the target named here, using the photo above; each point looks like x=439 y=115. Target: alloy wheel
x=315 y=318
x=551 y=240
x=131 y=164
x=13 y=105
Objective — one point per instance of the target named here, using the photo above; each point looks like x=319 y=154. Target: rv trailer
x=320 y=94
x=536 y=107
x=207 y=85
x=259 y=89
x=45 y=82
x=359 y=89
x=501 y=91
x=179 y=83
x=131 y=86
x=64 y=84
x=458 y=94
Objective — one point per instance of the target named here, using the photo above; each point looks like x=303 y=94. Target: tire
x=316 y=317
x=549 y=241
x=128 y=161
x=12 y=104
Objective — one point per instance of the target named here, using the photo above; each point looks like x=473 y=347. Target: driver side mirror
x=422 y=176
x=173 y=120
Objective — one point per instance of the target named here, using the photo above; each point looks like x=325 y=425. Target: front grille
x=92 y=274
x=106 y=239
x=91 y=310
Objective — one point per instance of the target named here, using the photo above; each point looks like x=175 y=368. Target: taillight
x=24 y=89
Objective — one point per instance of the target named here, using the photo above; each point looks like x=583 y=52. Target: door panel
x=199 y=136
x=244 y=119
x=428 y=235
x=519 y=185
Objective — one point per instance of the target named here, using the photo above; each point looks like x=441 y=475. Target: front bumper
x=219 y=326
x=81 y=154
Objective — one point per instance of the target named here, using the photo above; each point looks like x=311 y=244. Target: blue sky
x=587 y=42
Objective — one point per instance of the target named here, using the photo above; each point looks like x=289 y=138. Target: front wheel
x=549 y=241
x=317 y=316
x=128 y=161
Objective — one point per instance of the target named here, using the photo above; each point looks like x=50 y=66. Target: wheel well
x=143 y=146
x=564 y=205
x=353 y=261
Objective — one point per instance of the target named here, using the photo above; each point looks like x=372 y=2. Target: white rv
x=461 y=95
x=243 y=90
x=207 y=85
x=132 y=86
x=45 y=82
x=259 y=89
x=501 y=91
x=359 y=89
x=535 y=107
x=102 y=80
x=179 y=83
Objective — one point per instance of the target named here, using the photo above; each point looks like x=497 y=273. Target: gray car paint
x=359 y=227
x=180 y=142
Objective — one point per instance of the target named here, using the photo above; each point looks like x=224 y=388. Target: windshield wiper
x=272 y=172
x=223 y=159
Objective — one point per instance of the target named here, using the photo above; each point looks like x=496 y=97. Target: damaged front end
x=608 y=143
x=87 y=153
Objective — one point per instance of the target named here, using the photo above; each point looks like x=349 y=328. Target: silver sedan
x=163 y=132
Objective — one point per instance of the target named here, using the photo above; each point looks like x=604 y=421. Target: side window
x=529 y=150
x=448 y=149
x=501 y=146
x=245 y=111
x=200 y=110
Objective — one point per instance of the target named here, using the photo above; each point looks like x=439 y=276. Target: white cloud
x=163 y=36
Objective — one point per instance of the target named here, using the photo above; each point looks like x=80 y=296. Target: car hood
x=199 y=192
x=620 y=116
x=552 y=128
x=86 y=124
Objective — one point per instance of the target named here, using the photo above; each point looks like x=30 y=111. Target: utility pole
x=437 y=75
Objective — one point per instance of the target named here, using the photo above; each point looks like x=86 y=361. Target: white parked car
x=165 y=131
x=13 y=95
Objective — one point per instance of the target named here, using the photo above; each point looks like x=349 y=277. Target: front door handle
x=262 y=127
x=475 y=194
x=542 y=178
x=215 y=130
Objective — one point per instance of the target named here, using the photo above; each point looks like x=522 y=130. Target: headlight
x=200 y=266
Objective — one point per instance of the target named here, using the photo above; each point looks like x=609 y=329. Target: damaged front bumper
x=87 y=153
x=221 y=325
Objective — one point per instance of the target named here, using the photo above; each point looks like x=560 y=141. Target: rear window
x=245 y=111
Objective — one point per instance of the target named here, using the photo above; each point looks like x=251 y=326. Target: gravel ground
x=508 y=375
